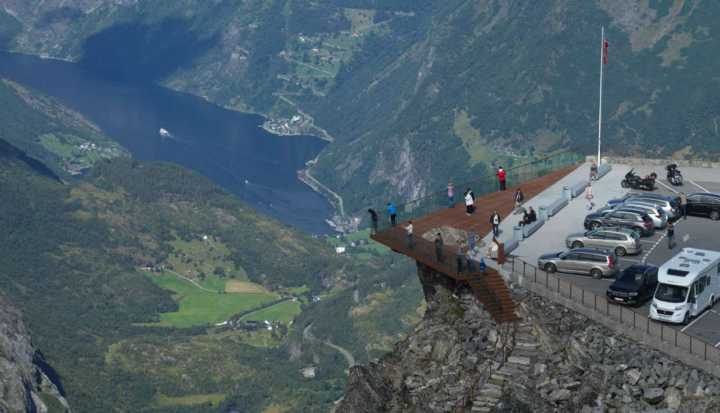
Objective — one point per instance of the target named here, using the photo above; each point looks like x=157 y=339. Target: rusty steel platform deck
x=489 y=288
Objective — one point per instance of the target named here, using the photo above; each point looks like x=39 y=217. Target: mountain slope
x=417 y=92
x=141 y=283
x=57 y=136
x=24 y=386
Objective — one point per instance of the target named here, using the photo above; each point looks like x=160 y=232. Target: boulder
x=653 y=395
x=632 y=376
x=673 y=398
x=560 y=395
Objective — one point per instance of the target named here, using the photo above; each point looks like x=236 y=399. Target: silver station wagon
x=622 y=241
x=587 y=261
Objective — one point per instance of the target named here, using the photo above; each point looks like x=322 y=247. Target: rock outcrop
x=554 y=360
x=24 y=386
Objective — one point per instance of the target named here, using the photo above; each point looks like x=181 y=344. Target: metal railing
x=516 y=175
x=673 y=341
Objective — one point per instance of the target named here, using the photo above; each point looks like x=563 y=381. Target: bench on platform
x=530 y=228
x=603 y=169
x=511 y=245
x=556 y=206
x=577 y=189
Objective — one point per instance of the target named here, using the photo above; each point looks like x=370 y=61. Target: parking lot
x=696 y=232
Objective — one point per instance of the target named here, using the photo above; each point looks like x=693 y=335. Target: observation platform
x=489 y=287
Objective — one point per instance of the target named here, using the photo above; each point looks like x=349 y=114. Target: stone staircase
x=518 y=366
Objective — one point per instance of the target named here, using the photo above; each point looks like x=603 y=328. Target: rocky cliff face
x=554 y=360
x=24 y=387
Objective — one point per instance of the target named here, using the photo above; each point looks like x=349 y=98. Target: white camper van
x=687 y=284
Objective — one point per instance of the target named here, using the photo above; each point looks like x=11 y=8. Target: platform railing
x=516 y=175
x=673 y=341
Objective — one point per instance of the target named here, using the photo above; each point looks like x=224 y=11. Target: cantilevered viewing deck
x=489 y=287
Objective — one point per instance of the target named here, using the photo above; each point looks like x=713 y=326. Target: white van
x=687 y=284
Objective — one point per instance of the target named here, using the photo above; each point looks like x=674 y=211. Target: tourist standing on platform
x=460 y=257
x=501 y=178
x=439 y=244
x=392 y=213
x=671 y=235
x=519 y=197
x=482 y=266
x=593 y=171
x=589 y=196
x=683 y=205
x=469 y=202
x=373 y=220
x=472 y=239
x=495 y=222
x=409 y=230
x=469 y=261
x=451 y=195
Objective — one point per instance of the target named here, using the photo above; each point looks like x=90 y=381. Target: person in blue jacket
x=392 y=212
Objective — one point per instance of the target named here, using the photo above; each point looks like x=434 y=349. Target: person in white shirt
x=589 y=196
x=469 y=203
x=409 y=231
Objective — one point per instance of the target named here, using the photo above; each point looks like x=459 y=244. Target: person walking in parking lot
x=439 y=247
x=495 y=222
x=671 y=235
x=518 y=197
x=501 y=175
x=589 y=196
x=683 y=205
x=451 y=194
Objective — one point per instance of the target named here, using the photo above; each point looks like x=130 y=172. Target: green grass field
x=191 y=400
x=198 y=307
x=283 y=312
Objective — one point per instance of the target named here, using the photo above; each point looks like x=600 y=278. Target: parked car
x=670 y=204
x=622 y=241
x=628 y=219
x=658 y=216
x=595 y=262
x=704 y=204
x=635 y=285
x=634 y=231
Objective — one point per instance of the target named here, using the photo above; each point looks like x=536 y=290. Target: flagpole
x=602 y=51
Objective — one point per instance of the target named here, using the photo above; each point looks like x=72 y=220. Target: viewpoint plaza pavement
x=695 y=232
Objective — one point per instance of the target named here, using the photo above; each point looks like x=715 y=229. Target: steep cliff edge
x=24 y=386
x=459 y=360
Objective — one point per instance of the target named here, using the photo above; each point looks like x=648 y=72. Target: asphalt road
x=695 y=232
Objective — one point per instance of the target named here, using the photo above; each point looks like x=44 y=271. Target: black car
x=627 y=219
x=704 y=205
x=635 y=285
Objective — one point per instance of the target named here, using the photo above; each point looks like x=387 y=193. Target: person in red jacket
x=501 y=178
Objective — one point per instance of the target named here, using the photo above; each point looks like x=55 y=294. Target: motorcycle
x=634 y=181
x=673 y=175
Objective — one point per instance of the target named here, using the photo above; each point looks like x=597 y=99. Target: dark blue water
x=228 y=147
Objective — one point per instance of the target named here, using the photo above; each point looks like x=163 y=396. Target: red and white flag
x=605 y=51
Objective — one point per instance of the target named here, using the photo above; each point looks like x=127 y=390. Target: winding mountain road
x=307 y=335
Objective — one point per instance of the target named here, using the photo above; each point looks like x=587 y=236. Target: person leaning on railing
x=439 y=244
x=373 y=220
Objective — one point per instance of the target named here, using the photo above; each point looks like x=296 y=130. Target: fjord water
x=228 y=147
